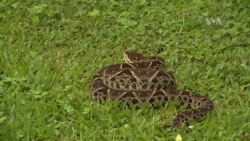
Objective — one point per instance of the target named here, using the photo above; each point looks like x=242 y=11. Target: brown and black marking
x=142 y=80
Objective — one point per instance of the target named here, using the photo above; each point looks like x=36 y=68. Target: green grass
x=50 y=51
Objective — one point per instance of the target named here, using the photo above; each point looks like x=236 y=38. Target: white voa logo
x=215 y=21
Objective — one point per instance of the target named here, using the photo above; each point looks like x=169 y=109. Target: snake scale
x=143 y=80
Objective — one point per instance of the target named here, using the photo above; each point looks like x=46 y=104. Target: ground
x=50 y=51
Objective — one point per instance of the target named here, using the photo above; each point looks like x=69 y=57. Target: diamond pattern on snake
x=143 y=80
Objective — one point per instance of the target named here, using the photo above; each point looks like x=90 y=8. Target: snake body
x=143 y=80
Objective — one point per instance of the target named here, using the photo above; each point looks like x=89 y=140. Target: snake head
x=132 y=57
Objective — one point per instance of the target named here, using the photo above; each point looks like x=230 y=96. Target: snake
x=143 y=79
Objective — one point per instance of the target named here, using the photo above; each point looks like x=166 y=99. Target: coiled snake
x=143 y=80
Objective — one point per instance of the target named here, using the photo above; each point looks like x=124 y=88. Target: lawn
x=50 y=50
